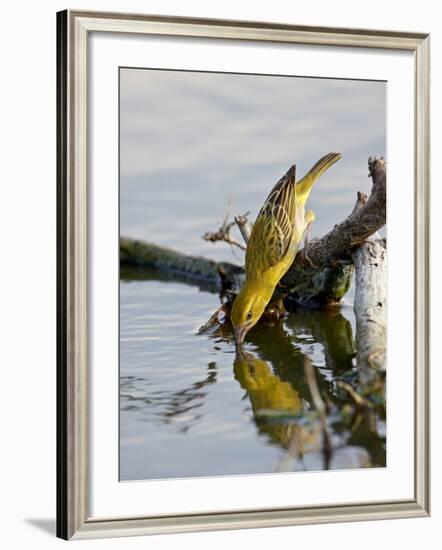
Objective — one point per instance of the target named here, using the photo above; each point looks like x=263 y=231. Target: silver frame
x=73 y=521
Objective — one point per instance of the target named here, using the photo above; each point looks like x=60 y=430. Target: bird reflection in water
x=268 y=394
x=298 y=405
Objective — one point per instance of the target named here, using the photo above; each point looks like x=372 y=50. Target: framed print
x=233 y=350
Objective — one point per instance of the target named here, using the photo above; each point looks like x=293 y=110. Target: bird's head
x=247 y=309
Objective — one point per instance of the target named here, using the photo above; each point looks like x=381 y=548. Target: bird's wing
x=281 y=215
x=273 y=229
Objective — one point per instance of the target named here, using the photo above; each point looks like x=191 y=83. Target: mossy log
x=223 y=275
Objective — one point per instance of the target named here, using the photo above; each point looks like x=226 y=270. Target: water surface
x=190 y=407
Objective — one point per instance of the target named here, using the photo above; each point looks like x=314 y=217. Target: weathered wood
x=244 y=226
x=370 y=306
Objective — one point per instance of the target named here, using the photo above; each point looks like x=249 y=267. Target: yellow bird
x=273 y=243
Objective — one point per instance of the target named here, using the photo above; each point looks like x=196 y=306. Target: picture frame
x=74 y=520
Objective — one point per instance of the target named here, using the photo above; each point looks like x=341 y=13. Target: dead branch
x=366 y=219
x=359 y=400
x=223 y=233
x=244 y=226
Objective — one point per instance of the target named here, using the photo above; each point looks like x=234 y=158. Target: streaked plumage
x=274 y=242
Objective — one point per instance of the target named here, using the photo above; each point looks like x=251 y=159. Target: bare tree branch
x=368 y=217
x=223 y=234
x=245 y=226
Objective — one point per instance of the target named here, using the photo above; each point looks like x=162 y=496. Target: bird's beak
x=239 y=333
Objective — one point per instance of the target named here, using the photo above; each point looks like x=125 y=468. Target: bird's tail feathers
x=304 y=186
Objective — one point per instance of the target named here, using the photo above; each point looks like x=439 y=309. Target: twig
x=358 y=399
x=244 y=226
x=321 y=408
x=361 y=201
x=214 y=319
x=223 y=234
x=293 y=453
x=313 y=386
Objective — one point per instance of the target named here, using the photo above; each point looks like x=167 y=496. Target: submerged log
x=193 y=268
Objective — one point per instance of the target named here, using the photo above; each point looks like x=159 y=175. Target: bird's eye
x=249 y=315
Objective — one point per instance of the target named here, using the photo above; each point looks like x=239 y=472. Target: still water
x=190 y=407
